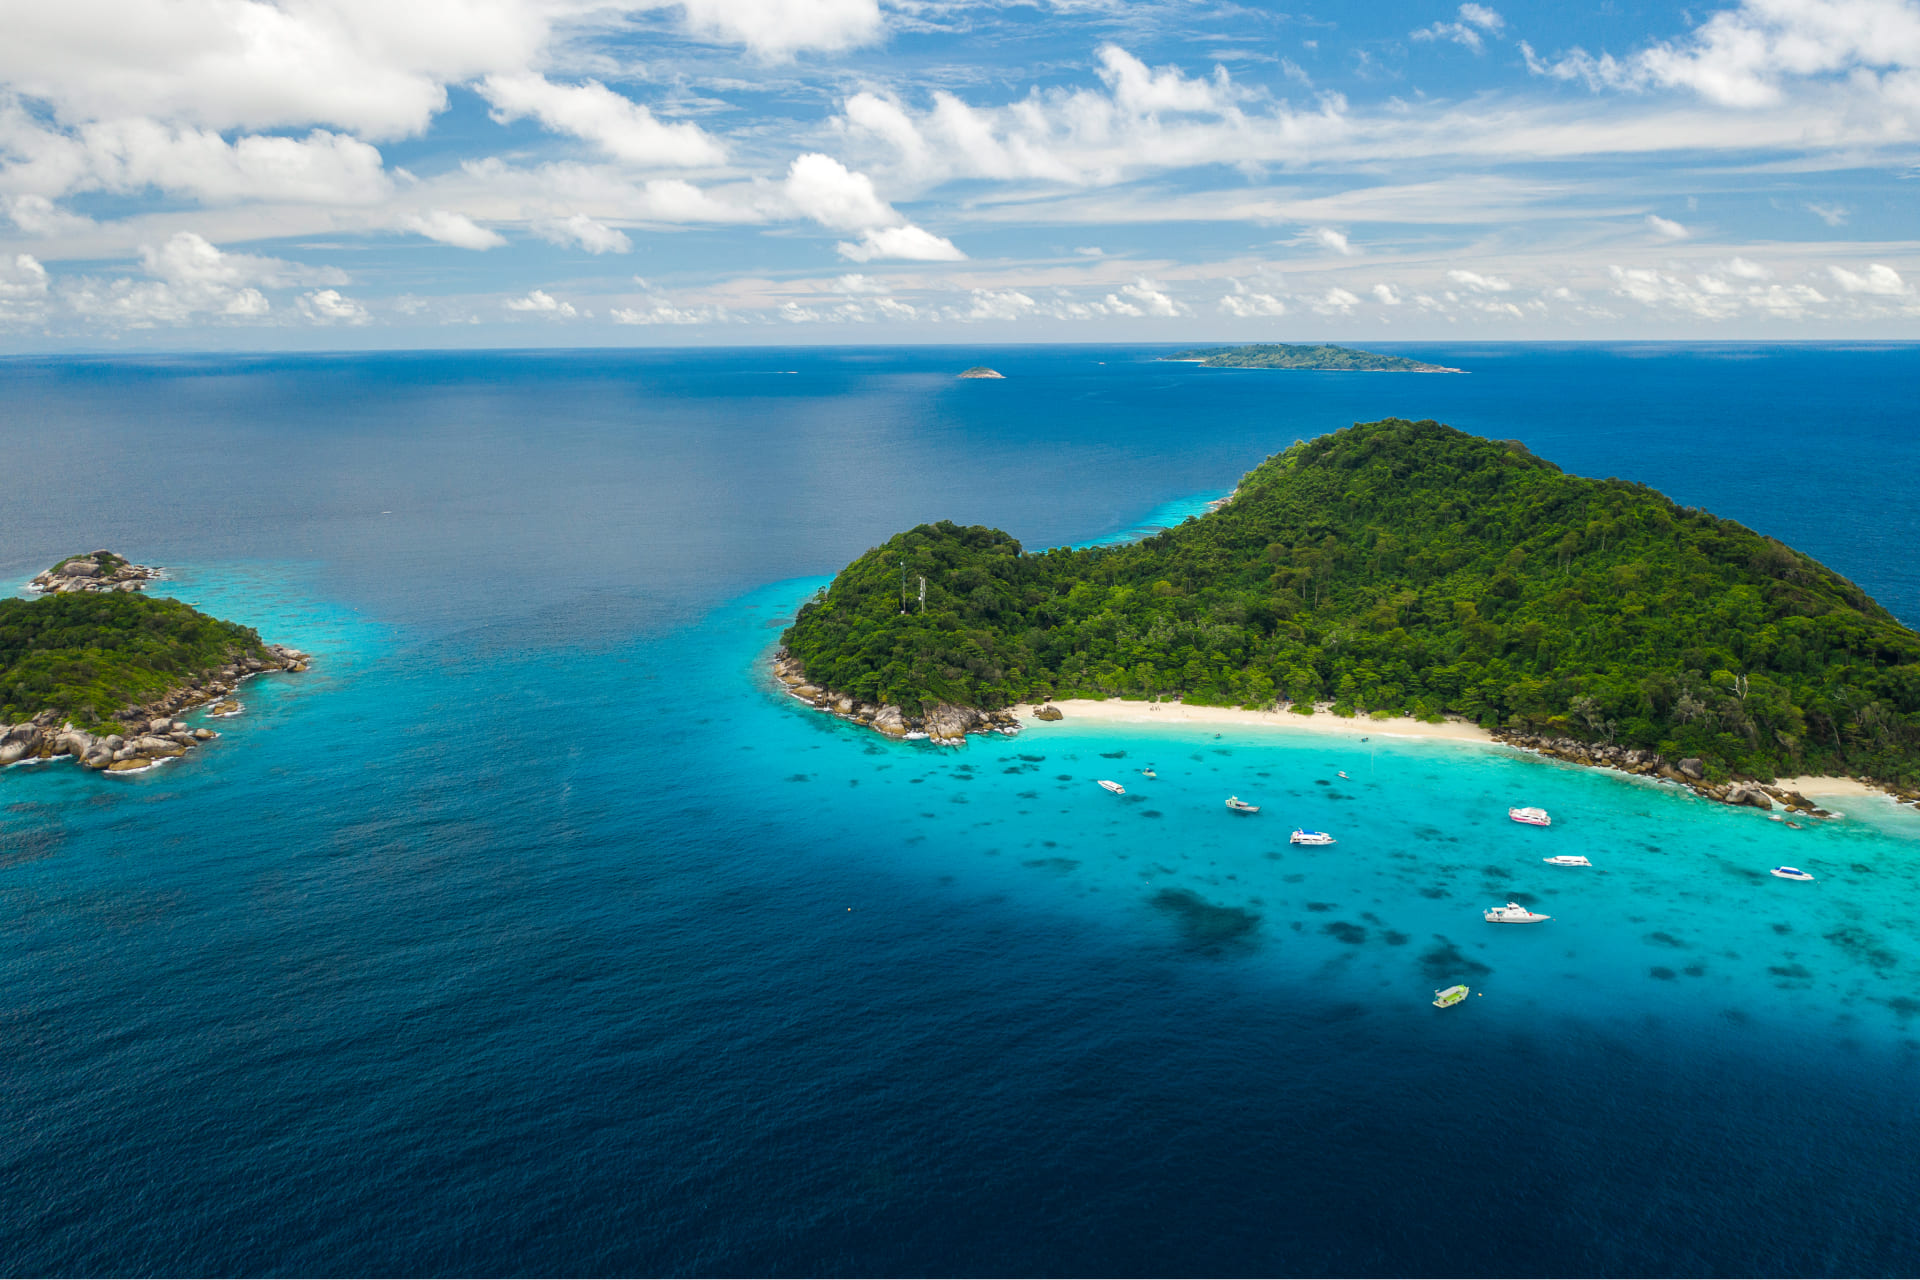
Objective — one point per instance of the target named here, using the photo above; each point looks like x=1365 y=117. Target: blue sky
x=401 y=173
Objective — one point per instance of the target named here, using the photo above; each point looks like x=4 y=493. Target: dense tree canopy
x=1405 y=567
x=89 y=656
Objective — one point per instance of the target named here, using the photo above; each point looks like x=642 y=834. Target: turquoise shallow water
x=536 y=930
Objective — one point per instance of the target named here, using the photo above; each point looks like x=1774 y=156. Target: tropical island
x=98 y=671
x=1325 y=359
x=1399 y=568
x=980 y=371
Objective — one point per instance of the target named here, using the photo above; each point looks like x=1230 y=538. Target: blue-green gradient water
x=532 y=931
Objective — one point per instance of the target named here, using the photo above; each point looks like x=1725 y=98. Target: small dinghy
x=1514 y=913
x=1791 y=873
x=1238 y=805
x=1148 y=772
x=1450 y=997
x=1567 y=860
x=1309 y=837
x=1114 y=787
x=1531 y=816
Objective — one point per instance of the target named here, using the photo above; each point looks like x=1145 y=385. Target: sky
x=341 y=174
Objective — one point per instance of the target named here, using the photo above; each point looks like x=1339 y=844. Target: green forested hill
x=1410 y=568
x=89 y=656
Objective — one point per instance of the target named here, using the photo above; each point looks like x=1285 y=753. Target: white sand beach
x=1811 y=787
x=1122 y=711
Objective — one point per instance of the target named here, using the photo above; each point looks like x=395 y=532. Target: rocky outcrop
x=95 y=572
x=1048 y=713
x=981 y=371
x=152 y=733
x=1689 y=773
x=943 y=723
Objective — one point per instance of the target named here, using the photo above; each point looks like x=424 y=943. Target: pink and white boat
x=1531 y=816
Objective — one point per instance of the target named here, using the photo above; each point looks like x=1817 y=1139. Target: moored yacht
x=1791 y=873
x=1238 y=805
x=1114 y=787
x=1531 y=816
x=1514 y=913
x=1450 y=997
x=1567 y=860
x=1309 y=837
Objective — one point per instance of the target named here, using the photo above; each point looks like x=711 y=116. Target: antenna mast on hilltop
x=903 y=586
x=923 y=593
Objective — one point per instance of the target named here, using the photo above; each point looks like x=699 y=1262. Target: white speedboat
x=1567 y=860
x=1343 y=773
x=1238 y=805
x=1148 y=772
x=1450 y=997
x=1114 y=787
x=1791 y=873
x=1514 y=913
x=1309 y=837
x=1531 y=816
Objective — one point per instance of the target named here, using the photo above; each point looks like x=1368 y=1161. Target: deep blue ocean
x=533 y=932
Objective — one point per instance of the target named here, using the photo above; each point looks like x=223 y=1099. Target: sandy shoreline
x=1120 y=711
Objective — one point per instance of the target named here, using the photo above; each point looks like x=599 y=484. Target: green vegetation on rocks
x=1407 y=568
x=91 y=656
x=1280 y=355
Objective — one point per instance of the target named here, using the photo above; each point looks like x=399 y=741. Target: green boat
x=1450 y=997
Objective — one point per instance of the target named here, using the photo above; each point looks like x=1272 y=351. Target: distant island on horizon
x=1323 y=358
x=1402 y=569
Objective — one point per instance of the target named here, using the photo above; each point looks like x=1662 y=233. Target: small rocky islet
x=44 y=676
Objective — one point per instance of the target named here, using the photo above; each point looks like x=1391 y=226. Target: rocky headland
x=104 y=683
x=1689 y=772
x=943 y=724
x=96 y=571
x=143 y=735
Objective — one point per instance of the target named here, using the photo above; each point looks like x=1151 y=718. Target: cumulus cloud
x=583 y=232
x=1335 y=301
x=1479 y=283
x=190 y=260
x=821 y=188
x=1876 y=279
x=780 y=28
x=329 y=306
x=1386 y=295
x=1328 y=238
x=543 y=303
x=1712 y=296
x=1746 y=56
x=456 y=229
x=1473 y=19
x=660 y=310
x=909 y=243
x=23 y=288
x=1247 y=304
x=1666 y=227
x=39 y=216
x=135 y=155
x=192 y=279
x=617 y=125
x=1001 y=304
x=1143 y=298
